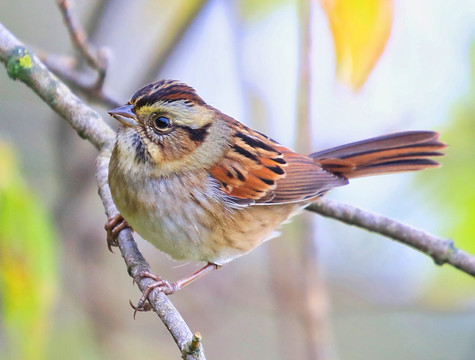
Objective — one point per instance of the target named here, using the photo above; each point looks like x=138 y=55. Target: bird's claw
x=160 y=284
x=113 y=226
x=145 y=307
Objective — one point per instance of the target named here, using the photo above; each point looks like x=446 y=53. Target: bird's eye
x=162 y=123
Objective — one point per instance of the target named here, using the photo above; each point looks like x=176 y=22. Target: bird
x=201 y=186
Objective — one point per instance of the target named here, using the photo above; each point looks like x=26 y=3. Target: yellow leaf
x=360 y=30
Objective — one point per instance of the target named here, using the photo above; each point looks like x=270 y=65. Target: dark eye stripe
x=197 y=135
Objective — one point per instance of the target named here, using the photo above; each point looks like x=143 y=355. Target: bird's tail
x=399 y=152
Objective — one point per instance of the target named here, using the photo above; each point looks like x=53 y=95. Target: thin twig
x=95 y=58
x=442 y=251
x=64 y=67
x=22 y=64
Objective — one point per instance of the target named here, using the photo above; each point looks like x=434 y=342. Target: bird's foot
x=162 y=285
x=165 y=286
x=113 y=226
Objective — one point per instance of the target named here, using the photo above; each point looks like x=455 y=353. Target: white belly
x=175 y=218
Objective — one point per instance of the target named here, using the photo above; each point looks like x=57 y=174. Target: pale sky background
x=422 y=73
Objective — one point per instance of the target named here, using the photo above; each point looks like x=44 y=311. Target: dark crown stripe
x=182 y=95
x=169 y=97
x=141 y=93
x=165 y=90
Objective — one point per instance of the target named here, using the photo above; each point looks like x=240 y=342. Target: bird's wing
x=258 y=169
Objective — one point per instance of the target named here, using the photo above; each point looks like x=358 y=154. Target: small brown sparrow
x=201 y=186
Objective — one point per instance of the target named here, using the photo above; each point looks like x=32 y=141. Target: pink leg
x=167 y=287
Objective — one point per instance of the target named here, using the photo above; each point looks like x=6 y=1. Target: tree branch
x=96 y=59
x=22 y=64
x=136 y=264
x=65 y=68
x=441 y=250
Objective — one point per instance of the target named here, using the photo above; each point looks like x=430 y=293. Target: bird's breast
x=188 y=217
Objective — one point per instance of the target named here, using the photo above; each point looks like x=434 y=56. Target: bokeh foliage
x=28 y=264
x=455 y=193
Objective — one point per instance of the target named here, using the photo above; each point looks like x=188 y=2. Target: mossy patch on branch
x=20 y=63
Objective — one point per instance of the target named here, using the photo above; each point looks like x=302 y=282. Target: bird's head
x=167 y=125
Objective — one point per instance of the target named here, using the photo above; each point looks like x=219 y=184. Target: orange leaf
x=360 y=31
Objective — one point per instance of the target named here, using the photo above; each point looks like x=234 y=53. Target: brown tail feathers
x=399 y=152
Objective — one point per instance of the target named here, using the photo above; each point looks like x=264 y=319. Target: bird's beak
x=125 y=115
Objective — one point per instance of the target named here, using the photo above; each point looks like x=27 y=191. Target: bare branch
x=95 y=58
x=441 y=250
x=22 y=64
x=136 y=264
x=65 y=68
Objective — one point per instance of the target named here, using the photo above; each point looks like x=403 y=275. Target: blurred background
x=364 y=68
